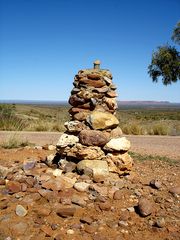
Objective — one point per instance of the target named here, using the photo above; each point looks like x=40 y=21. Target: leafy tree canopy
x=176 y=34
x=165 y=63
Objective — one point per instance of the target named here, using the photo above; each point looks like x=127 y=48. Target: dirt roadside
x=168 y=146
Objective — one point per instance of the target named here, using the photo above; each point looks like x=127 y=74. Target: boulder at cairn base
x=99 y=168
x=119 y=163
x=102 y=120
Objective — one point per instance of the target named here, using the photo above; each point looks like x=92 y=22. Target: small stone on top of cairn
x=93 y=139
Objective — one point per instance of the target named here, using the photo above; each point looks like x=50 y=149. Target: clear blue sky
x=43 y=44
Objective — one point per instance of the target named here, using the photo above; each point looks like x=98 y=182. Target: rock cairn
x=93 y=143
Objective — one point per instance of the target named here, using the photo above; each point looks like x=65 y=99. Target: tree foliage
x=165 y=63
x=176 y=34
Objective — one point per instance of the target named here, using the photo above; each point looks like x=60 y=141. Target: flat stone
x=101 y=90
x=19 y=228
x=93 y=83
x=43 y=211
x=102 y=191
x=67 y=140
x=3 y=171
x=59 y=183
x=81 y=152
x=118 y=144
x=28 y=165
x=66 y=212
x=90 y=228
x=94 y=76
x=86 y=219
x=21 y=211
x=81 y=186
x=99 y=168
x=145 y=207
x=102 y=120
x=112 y=94
x=175 y=190
x=79 y=200
x=108 y=80
x=92 y=138
x=31 y=198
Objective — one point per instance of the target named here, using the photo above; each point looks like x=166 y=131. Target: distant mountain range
x=151 y=104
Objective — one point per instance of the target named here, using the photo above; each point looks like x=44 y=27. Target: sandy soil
x=99 y=215
x=151 y=145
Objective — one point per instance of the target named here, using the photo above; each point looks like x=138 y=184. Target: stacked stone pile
x=93 y=143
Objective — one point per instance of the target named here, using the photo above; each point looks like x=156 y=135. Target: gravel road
x=152 y=145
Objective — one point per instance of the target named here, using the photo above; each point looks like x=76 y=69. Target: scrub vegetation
x=133 y=120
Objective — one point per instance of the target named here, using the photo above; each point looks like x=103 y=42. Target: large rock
x=75 y=126
x=144 y=207
x=93 y=83
x=59 y=183
x=119 y=163
x=81 y=152
x=67 y=140
x=81 y=116
x=102 y=120
x=93 y=138
x=99 y=168
x=118 y=144
x=74 y=100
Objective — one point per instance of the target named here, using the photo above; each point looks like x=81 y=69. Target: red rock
x=93 y=138
x=112 y=94
x=106 y=206
x=42 y=210
x=2 y=182
x=93 y=83
x=145 y=207
x=81 y=116
x=89 y=228
x=13 y=187
x=94 y=76
x=66 y=212
x=75 y=110
x=74 y=100
x=86 y=219
x=117 y=195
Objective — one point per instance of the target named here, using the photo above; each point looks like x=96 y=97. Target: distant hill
x=148 y=104
x=121 y=104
